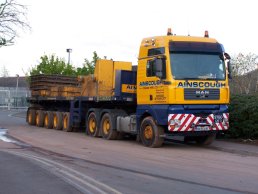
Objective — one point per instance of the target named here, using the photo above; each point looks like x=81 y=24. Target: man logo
x=202 y=93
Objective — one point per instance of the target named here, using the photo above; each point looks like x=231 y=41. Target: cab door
x=150 y=81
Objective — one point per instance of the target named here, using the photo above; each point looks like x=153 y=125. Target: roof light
x=206 y=34
x=153 y=42
x=169 y=33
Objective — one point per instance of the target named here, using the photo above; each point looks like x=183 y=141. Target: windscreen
x=202 y=66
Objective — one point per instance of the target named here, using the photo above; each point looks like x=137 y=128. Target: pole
x=69 y=58
x=17 y=85
x=69 y=50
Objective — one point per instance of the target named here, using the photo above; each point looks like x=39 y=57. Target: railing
x=13 y=99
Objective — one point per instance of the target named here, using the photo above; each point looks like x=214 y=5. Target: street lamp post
x=17 y=85
x=69 y=50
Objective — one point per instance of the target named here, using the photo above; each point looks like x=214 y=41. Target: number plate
x=202 y=128
x=218 y=118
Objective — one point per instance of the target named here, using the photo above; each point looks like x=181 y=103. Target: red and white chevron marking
x=187 y=121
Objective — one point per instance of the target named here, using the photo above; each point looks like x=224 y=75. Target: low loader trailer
x=179 y=88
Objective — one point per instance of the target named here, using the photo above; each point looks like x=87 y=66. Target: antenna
x=188 y=28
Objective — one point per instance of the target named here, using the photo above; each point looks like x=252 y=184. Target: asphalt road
x=21 y=176
x=94 y=165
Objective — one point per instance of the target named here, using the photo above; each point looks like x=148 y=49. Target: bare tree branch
x=245 y=73
x=12 y=18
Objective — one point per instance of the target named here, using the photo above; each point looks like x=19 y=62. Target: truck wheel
x=205 y=140
x=92 y=127
x=107 y=129
x=58 y=121
x=66 y=122
x=48 y=120
x=39 y=118
x=31 y=116
x=151 y=134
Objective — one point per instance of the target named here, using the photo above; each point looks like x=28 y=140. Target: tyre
x=48 y=120
x=67 y=122
x=205 y=140
x=31 y=116
x=40 y=118
x=92 y=125
x=151 y=134
x=107 y=128
x=58 y=121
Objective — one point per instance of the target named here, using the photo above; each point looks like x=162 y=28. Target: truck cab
x=182 y=89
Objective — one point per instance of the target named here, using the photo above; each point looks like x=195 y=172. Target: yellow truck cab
x=182 y=88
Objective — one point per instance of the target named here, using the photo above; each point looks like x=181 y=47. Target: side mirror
x=227 y=56
x=159 y=68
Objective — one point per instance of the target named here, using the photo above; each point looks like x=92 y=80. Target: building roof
x=12 y=82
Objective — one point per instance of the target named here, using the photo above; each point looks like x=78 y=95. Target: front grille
x=201 y=94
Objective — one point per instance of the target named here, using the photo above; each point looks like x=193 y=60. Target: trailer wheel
x=66 y=122
x=58 y=121
x=31 y=116
x=107 y=129
x=92 y=126
x=205 y=140
x=48 y=120
x=39 y=118
x=151 y=134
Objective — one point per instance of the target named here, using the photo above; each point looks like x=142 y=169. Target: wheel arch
x=159 y=113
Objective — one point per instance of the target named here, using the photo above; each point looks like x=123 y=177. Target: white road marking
x=3 y=137
x=71 y=175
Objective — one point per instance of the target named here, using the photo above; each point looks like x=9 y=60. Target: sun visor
x=203 y=47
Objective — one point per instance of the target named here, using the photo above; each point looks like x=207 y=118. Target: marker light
x=169 y=32
x=206 y=34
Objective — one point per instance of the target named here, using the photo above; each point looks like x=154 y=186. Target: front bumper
x=198 y=118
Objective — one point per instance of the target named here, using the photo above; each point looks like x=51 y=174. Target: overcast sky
x=114 y=28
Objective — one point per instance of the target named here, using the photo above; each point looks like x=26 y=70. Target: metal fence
x=12 y=98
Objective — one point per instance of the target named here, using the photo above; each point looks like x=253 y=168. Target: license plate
x=202 y=128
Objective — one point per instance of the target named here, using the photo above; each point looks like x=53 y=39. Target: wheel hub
x=65 y=122
x=55 y=122
x=46 y=120
x=148 y=132
x=106 y=126
x=92 y=125
x=37 y=119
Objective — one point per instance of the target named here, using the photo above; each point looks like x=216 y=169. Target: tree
x=12 y=18
x=4 y=72
x=88 y=66
x=242 y=64
x=244 y=73
x=53 y=65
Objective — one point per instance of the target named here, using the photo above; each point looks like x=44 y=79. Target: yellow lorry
x=179 y=88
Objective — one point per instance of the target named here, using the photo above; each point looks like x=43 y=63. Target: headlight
x=175 y=122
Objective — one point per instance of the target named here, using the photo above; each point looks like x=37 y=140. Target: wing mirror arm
x=227 y=56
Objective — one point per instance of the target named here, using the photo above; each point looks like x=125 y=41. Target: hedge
x=243 y=117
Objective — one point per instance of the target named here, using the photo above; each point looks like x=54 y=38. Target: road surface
x=95 y=165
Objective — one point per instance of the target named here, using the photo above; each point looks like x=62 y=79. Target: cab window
x=156 y=68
